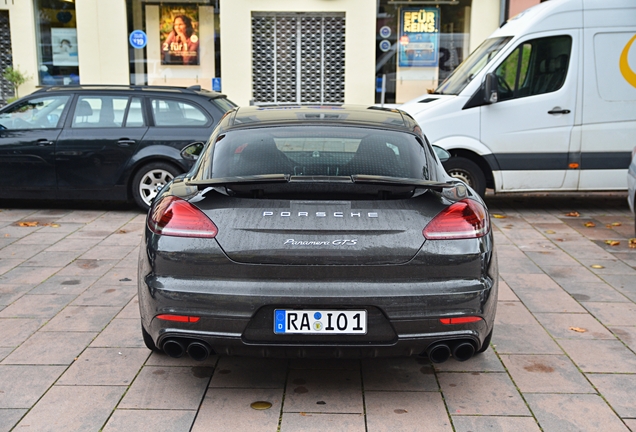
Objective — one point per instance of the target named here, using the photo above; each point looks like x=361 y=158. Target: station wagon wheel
x=149 y=181
x=467 y=171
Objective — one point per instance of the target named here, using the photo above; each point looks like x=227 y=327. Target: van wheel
x=467 y=171
x=149 y=181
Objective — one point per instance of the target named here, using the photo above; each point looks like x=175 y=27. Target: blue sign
x=418 y=44
x=216 y=84
x=138 y=39
x=385 y=31
x=279 y=321
x=385 y=45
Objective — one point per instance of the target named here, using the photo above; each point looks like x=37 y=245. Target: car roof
x=194 y=90
x=350 y=115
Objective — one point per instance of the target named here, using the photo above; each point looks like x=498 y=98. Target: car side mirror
x=490 y=88
x=441 y=153
x=192 y=151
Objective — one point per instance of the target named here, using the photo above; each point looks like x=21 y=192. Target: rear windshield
x=317 y=151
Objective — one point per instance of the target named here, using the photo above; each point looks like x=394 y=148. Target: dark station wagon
x=102 y=142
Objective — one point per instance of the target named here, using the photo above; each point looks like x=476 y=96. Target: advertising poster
x=179 y=35
x=64 y=46
x=419 y=37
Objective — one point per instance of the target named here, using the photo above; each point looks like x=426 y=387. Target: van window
x=535 y=67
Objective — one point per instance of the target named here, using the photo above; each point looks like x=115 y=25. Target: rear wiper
x=397 y=181
x=265 y=178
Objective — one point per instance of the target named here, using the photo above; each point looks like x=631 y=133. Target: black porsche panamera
x=318 y=232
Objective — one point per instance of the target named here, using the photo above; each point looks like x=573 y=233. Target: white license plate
x=288 y=321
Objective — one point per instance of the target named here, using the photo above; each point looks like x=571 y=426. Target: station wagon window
x=535 y=67
x=99 y=111
x=169 y=112
x=36 y=113
x=135 y=117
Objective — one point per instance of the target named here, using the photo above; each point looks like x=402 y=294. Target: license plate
x=288 y=321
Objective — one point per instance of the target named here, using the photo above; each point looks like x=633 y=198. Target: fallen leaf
x=499 y=216
x=608 y=226
x=617 y=224
x=589 y=224
x=121 y=231
x=578 y=329
x=28 y=224
x=632 y=243
x=560 y=240
x=7 y=235
x=612 y=242
x=550 y=232
x=597 y=266
x=54 y=225
x=573 y=214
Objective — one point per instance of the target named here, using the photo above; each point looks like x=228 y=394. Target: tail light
x=461 y=220
x=174 y=216
x=460 y=320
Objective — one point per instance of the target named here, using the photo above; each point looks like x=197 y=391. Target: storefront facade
x=274 y=52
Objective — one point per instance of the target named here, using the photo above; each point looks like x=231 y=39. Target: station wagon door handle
x=559 y=111
x=44 y=142
x=125 y=142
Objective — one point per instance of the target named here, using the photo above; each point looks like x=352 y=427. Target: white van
x=546 y=103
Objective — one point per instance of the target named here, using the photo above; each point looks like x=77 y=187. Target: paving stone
x=121 y=276
x=539 y=293
x=75 y=408
x=42 y=238
x=484 y=362
x=405 y=374
x=68 y=244
x=121 y=333
x=104 y=295
x=512 y=260
x=9 y=418
x=595 y=292
x=626 y=334
x=518 y=332
x=229 y=410
x=560 y=326
x=64 y=227
x=568 y=276
x=600 y=355
x=4 y=352
x=584 y=250
x=573 y=412
x=481 y=393
x=618 y=391
x=28 y=275
x=161 y=359
x=107 y=252
x=610 y=267
x=179 y=388
x=505 y=293
x=10 y=293
x=631 y=424
x=494 y=424
x=50 y=348
x=551 y=258
x=340 y=390
x=131 y=310
x=305 y=363
x=105 y=366
x=150 y=421
x=313 y=422
x=406 y=411
x=82 y=319
x=36 y=306
x=546 y=374
x=23 y=251
x=22 y=386
x=7 y=264
x=246 y=372
x=14 y=331
x=64 y=285
x=615 y=314
x=83 y=267
x=51 y=259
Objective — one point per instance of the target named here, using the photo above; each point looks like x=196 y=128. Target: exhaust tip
x=173 y=348
x=198 y=351
x=463 y=351
x=438 y=353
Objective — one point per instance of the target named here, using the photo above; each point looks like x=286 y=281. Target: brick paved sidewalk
x=562 y=357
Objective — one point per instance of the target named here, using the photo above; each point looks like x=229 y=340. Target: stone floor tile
x=548 y=300
x=573 y=412
x=568 y=276
x=74 y=408
x=631 y=424
x=9 y=418
x=613 y=314
x=68 y=244
x=600 y=355
x=546 y=374
x=161 y=359
x=229 y=410
x=584 y=250
x=481 y=393
x=36 y=306
x=595 y=292
x=518 y=332
x=552 y=258
x=484 y=362
x=83 y=267
x=247 y=372
x=121 y=276
x=324 y=391
x=105 y=366
x=131 y=310
x=64 y=227
x=618 y=391
x=82 y=319
x=130 y=260
x=10 y=293
x=150 y=421
x=610 y=267
x=512 y=260
x=398 y=374
x=107 y=252
x=406 y=411
x=42 y=238
x=51 y=259
x=494 y=424
x=120 y=333
x=4 y=352
x=7 y=264
x=131 y=239
x=28 y=275
x=64 y=285
x=305 y=363
x=14 y=331
x=561 y=325
x=621 y=282
x=21 y=251
x=22 y=386
x=50 y=348
x=626 y=334
x=505 y=293
x=81 y=216
x=322 y=422
x=104 y=295
x=179 y=388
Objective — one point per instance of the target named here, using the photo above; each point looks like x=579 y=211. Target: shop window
x=56 y=31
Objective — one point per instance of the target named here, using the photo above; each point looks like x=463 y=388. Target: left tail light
x=173 y=216
x=462 y=220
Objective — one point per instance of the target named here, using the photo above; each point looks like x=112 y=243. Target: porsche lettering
x=321 y=214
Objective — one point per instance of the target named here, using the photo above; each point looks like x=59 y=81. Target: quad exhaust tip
x=197 y=350
x=440 y=352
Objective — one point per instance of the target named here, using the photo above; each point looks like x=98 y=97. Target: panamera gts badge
x=338 y=242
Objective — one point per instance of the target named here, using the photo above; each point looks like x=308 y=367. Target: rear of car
x=298 y=234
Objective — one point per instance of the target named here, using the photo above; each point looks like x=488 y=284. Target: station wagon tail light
x=462 y=220
x=460 y=320
x=173 y=216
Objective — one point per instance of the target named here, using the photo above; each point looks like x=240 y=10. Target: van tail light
x=173 y=216
x=462 y=220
